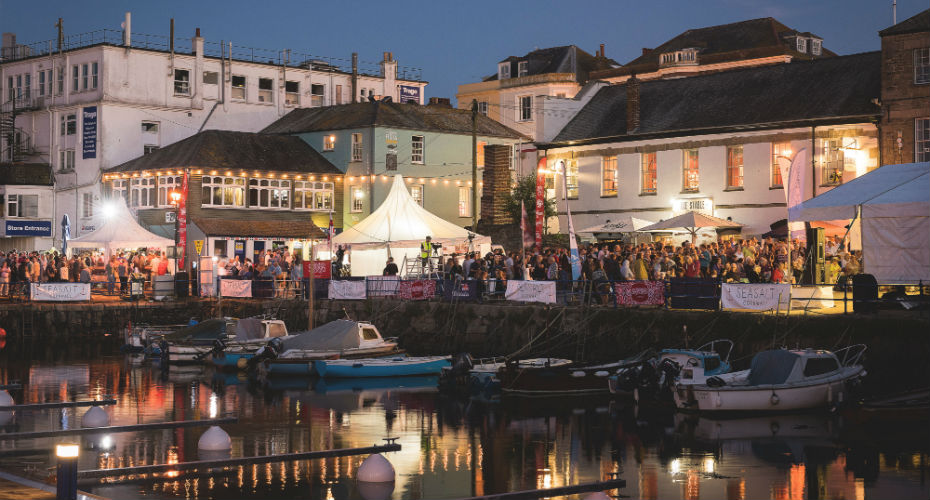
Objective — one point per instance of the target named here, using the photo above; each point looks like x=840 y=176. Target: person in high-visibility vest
x=426 y=249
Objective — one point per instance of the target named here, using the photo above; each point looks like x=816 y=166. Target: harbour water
x=453 y=447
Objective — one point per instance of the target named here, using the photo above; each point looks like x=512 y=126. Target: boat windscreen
x=208 y=329
x=249 y=329
x=771 y=367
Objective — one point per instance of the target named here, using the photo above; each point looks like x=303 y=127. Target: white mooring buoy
x=5 y=398
x=598 y=495
x=375 y=469
x=95 y=417
x=214 y=439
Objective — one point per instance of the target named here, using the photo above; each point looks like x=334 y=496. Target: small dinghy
x=779 y=380
x=481 y=374
x=399 y=366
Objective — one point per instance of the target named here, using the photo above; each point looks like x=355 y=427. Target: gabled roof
x=794 y=94
x=558 y=60
x=751 y=39
x=302 y=229
x=222 y=149
x=387 y=114
x=26 y=174
x=914 y=24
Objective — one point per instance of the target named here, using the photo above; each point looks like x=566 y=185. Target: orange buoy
x=2 y=332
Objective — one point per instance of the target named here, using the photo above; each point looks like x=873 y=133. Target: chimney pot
x=197 y=32
x=603 y=54
x=646 y=50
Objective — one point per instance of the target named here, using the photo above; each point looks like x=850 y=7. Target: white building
x=104 y=98
x=716 y=142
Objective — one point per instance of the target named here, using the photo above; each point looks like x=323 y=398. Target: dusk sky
x=453 y=42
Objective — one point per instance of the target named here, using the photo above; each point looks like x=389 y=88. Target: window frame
x=291 y=98
x=800 y=45
x=418 y=154
x=832 y=161
x=525 y=112
x=421 y=189
x=181 y=87
x=317 y=100
x=503 y=70
x=571 y=179
x=16 y=206
x=215 y=76
x=522 y=68
x=266 y=93
x=464 y=206
x=734 y=152
x=240 y=89
x=329 y=142
x=357 y=146
x=648 y=174
x=93 y=75
x=66 y=158
x=779 y=149
x=313 y=192
x=164 y=185
x=237 y=184
x=816 y=46
x=483 y=107
x=606 y=191
x=270 y=194
x=143 y=192
x=357 y=204
x=68 y=124
x=75 y=78
x=922 y=66
x=921 y=156
x=87 y=205
x=120 y=188
x=690 y=173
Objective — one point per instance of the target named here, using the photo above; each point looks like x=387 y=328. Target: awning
x=238 y=228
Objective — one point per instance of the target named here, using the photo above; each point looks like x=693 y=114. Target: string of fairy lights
x=445 y=179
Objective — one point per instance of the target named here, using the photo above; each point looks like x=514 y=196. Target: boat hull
x=394 y=367
x=551 y=381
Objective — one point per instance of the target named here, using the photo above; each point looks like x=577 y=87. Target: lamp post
x=66 y=486
x=176 y=201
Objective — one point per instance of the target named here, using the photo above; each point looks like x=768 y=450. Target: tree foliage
x=525 y=191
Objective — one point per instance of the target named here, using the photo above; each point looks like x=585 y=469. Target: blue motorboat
x=399 y=366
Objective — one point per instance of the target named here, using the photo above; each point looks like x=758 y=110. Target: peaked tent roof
x=387 y=114
x=120 y=231
x=400 y=219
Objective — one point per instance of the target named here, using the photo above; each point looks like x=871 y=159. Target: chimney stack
x=646 y=50
x=632 y=104
x=355 y=77
x=127 y=30
x=441 y=102
x=602 y=54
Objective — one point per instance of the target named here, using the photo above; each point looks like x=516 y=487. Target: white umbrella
x=692 y=222
x=623 y=224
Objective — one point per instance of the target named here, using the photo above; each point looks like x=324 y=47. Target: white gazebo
x=120 y=230
x=397 y=228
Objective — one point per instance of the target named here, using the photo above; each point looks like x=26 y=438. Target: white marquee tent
x=893 y=203
x=397 y=228
x=120 y=230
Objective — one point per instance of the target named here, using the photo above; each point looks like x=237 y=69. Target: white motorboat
x=778 y=380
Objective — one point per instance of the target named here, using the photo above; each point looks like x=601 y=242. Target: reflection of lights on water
x=544 y=480
x=675 y=466
x=709 y=465
x=213 y=405
x=172 y=459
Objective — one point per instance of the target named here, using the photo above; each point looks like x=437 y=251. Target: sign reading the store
x=28 y=228
x=89 y=134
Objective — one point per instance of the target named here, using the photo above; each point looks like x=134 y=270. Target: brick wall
x=497 y=183
x=903 y=101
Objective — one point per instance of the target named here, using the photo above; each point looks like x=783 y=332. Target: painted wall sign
x=28 y=228
x=702 y=205
x=89 y=132
x=409 y=93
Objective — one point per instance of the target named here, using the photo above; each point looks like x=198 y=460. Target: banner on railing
x=60 y=292
x=757 y=296
x=236 y=288
x=531 y=291
x=350 y=290
x=417 y=289
x=382 y=286
x=322 y=269
x=460 y=290
x=641 y=293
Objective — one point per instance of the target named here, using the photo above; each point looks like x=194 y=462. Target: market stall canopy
x=120 y=230
x=895 y=213
x=692 y=221
x=623 y=224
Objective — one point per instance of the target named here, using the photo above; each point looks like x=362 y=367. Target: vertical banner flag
x=89 y=132
x=795 y=190
x=525 y=236
x=330 y=238
x=182 y=223
x=540 y=200
x=573 y=256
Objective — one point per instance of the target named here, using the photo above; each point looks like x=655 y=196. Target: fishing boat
x=340 y=339
x=397 y=366
x=778 y=380
x=237 y=337
x=656 y=376
x=565 y=379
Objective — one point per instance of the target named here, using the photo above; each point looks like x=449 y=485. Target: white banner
x=758 y=296
x=531 y=291
x=351 y=290
x=60 y=292
x=236 y=288
x=382 y=286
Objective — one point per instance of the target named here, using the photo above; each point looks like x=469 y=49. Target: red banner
x=322 y=269
x=540 y=200
x=182 y=224
x=417 y=289
x=641 y=293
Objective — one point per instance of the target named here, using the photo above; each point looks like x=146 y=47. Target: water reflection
x=453 y=447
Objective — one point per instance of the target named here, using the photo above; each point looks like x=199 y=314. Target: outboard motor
x=271 y=350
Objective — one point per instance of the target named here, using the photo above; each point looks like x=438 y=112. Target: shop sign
x=409 y=93
x=89 y=135
x=702 y=205
x=28 y=228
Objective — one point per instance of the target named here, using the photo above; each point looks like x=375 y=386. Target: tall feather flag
x=525 y=234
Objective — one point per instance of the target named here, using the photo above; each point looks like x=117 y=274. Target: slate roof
x=558 y=60
x=914 y=24
x=387 y=114
x=749 y=39
x=301 y=229
x=26 y=174
x=222 y=149
x=793 y=94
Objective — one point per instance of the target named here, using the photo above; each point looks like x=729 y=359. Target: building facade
x=101 y=99
x=26 y=198
x=430 y=146
x=719 y=143
x=905 y=124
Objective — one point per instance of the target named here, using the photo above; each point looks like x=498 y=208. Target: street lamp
x=175 y=196
x=66 y=487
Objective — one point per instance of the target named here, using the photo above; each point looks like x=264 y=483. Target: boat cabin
x=697 y=364
x=782 y=366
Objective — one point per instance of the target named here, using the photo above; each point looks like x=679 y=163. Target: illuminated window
x=734 y=167
x=832 y=161
x=269 y=193
x=609 y=176
x=329 y=142
x=416 y=192
x=691 y=175
x=464 y=202
x=480 y=155
x=166 y=184
x=781 y=151
x=649 y=171
x=223 y=191
x=571 y=179
x=310 y=195
x=358 y=199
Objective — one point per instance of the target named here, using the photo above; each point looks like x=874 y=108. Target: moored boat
x=778 y=380
x=397 y=366
x=481 y=374
x=564 y=379
x=227 y=335
x=655 y=377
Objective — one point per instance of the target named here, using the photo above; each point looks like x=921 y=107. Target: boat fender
x=774 y=427
x=636 y=394
x=774 y=399
x=242 y=363
x=577 y=374
x=601 y=373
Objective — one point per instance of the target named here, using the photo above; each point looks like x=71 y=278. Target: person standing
x=390 y=268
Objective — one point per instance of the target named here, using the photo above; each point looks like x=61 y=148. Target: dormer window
x=816 y=46
x=683 y=57
x=503 y=70
x=802 y=45
x=521 y=68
